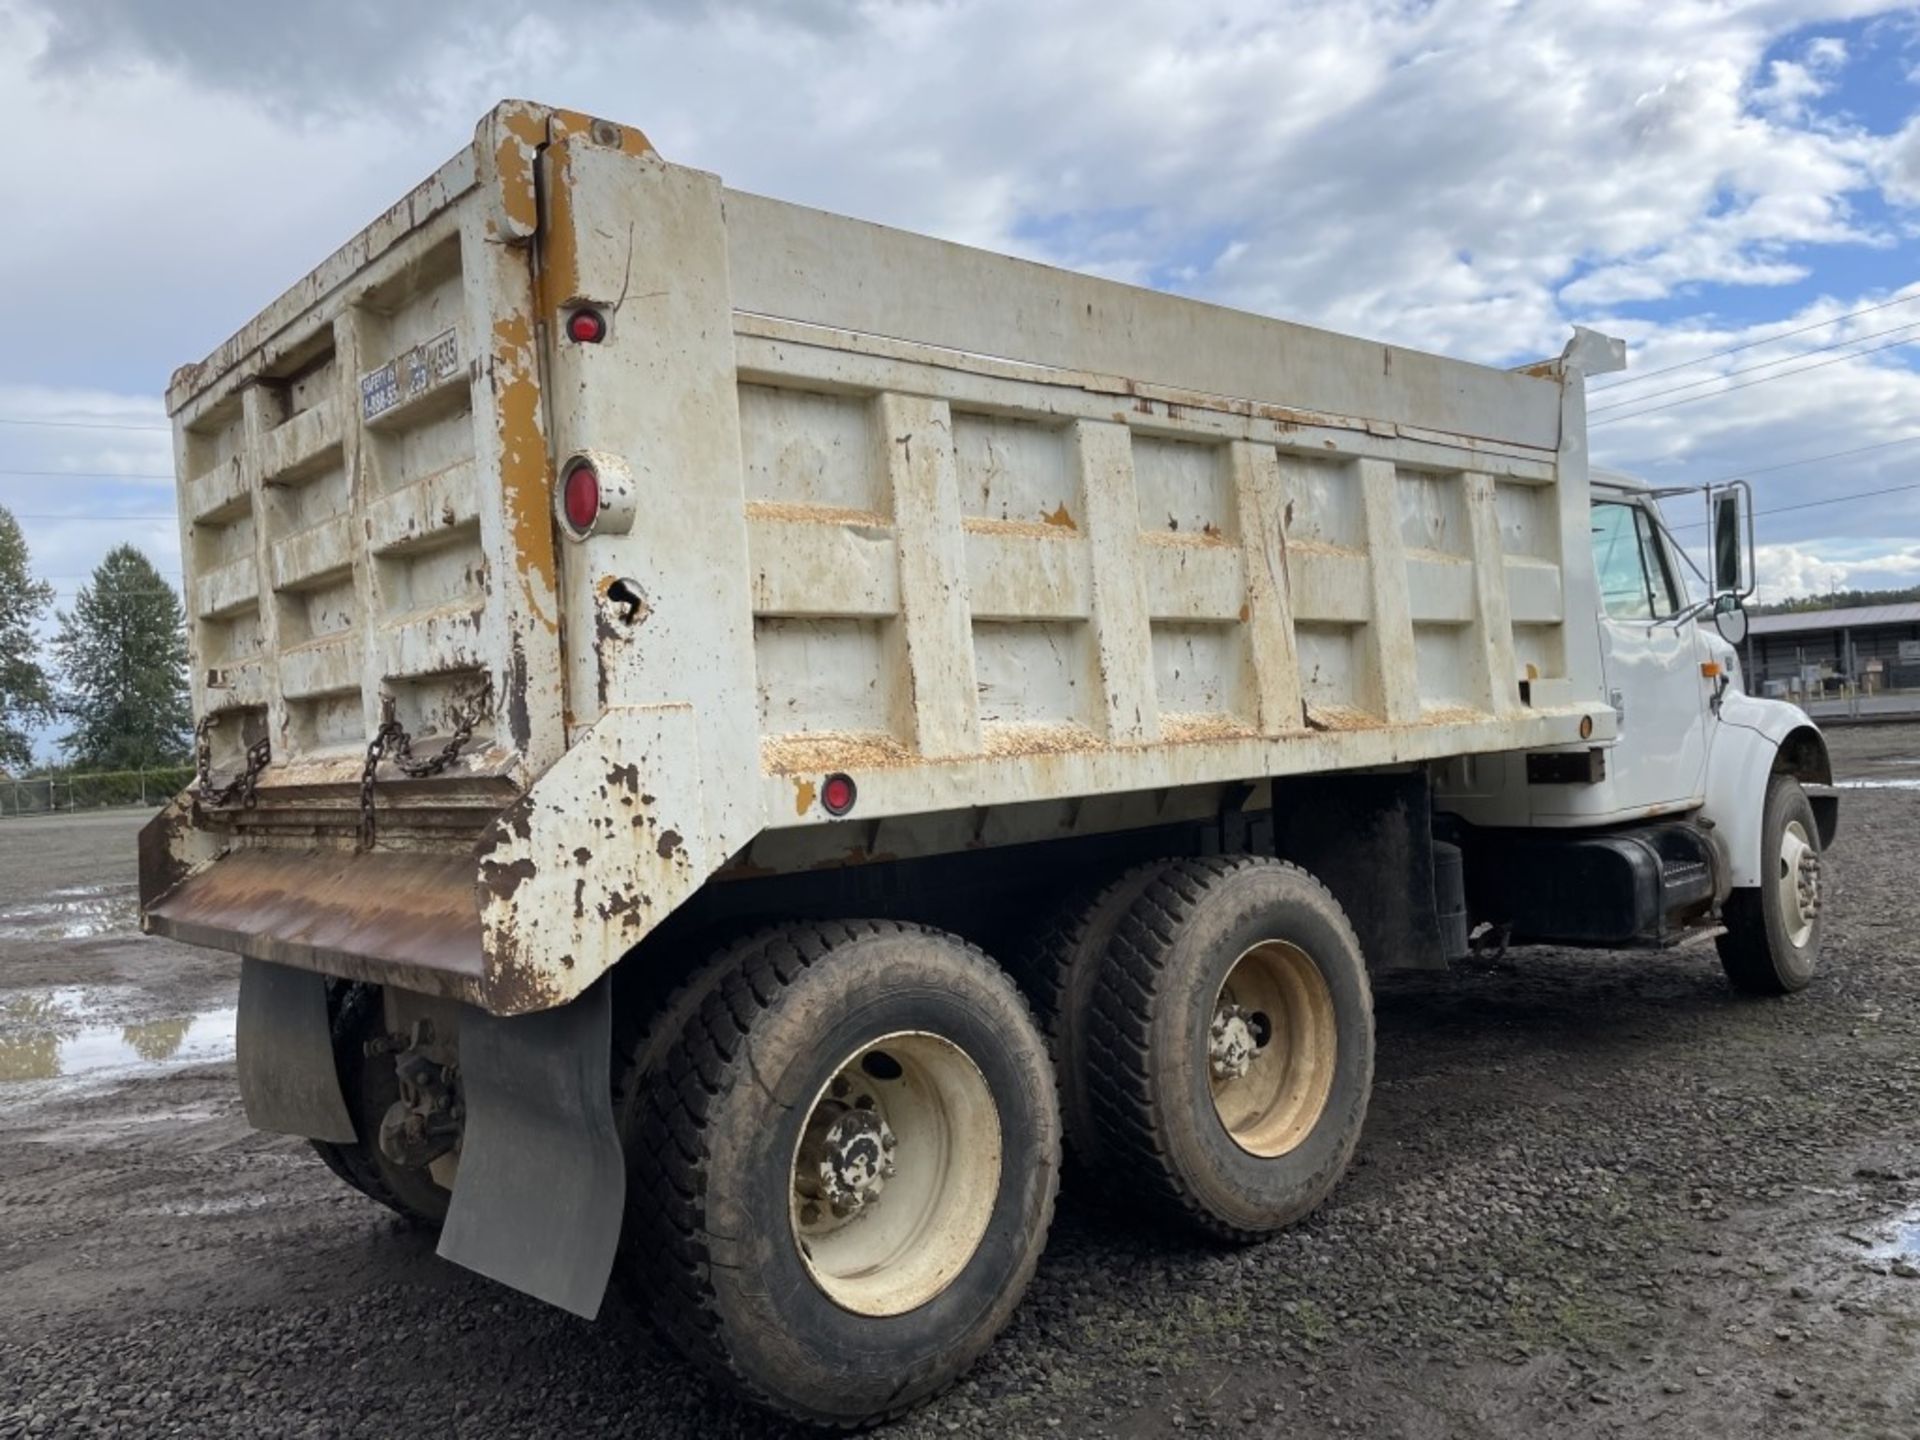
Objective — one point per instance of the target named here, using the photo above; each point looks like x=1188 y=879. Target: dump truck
x=734 y=742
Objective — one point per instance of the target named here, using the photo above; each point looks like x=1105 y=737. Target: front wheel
x=1772 y=942
x=844 y=1169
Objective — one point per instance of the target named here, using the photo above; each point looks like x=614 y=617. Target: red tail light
x=580 y=496
x=837 y=794
x=586 y=327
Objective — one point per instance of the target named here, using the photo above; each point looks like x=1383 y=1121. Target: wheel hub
x=1799 y=883
x=1807 y=881
x=1233 y=1039
x=853 y=1160
x=895 y=1174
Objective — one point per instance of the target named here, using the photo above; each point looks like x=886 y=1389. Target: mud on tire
x=1060 y=973
x=1163 y=1110
x=1764 y=951
x=717 y=1165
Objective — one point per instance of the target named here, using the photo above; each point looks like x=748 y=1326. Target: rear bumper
x=513 y=911
x=408 y=920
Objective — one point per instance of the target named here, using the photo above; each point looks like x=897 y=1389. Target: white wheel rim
x=895 y=1173
x=1798 y=883
x=1272 y=1042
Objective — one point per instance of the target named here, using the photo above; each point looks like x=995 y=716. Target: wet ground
x=1598 y=1195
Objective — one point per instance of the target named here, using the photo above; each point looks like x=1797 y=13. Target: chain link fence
x=48 y=794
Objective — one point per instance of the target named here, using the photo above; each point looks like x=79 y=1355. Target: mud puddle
x=56 y=1034
x=1895 y=1240
x=73 y=912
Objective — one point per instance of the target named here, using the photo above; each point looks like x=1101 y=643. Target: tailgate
x=365 y=494
x=365 y=491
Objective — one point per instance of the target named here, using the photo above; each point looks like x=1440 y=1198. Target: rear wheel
x=1233 y=1045
x=370 y=1087
x=844 y=1168
x=1772 y=944
x=1061 y=974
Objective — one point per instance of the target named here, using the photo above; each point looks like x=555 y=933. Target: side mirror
x=1730 y=523
x=1730 y=619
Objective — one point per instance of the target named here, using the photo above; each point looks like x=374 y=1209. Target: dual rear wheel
x=1218 y=1026
x=844 y=1139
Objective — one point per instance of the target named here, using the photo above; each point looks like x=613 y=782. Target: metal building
x=1812 y=652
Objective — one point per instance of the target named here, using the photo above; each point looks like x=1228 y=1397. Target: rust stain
x=669 y=842
x=504 y=881
x=559 y=274
x=1061 y=518
x=803 y=795
x=1246 y=610
x=526 y=469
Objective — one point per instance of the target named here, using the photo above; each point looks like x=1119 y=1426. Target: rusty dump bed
x=1020 y=552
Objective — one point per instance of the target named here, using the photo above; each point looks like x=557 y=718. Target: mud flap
x=542 y=1183
x=283 y=1048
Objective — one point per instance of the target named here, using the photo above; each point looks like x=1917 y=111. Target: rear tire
x=1061 y=975
x=1233 y=1045
x=1772 y=944
x=886 y=1032
x=370 y=1086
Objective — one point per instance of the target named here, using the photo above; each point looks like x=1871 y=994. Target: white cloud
x=1786 y=571
x=1453 y=174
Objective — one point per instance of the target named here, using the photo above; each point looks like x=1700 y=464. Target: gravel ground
x=1597 y=1195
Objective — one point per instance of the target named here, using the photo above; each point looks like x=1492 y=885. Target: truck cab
x=1703 y=815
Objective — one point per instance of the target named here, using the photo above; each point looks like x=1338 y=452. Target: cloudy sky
x=1463 y=175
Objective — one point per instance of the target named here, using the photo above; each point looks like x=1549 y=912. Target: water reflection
x=52 y=1050
x=74 y=912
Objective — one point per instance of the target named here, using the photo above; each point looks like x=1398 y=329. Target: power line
x=1752 y=344
x=80 y=424
x=1814 y=459
x=1763 y=365
x=1811 y=504
x=31 y=515
x=1748 y=385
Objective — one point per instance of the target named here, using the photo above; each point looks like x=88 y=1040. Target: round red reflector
x=587 y=327
x=837 y=794
x=581 y=497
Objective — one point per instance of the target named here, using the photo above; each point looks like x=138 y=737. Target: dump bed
x=1016 y=552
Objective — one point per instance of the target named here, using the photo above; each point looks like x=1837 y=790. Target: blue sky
x=1467 y=177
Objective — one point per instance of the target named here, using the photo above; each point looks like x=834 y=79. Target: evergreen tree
x=123 y=658
x=26 y=699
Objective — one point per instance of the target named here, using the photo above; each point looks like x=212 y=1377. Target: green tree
x=123 y=661
x=26 y=699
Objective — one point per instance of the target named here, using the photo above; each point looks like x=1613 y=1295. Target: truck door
x=1651 y=662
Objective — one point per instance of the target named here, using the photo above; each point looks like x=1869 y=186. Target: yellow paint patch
x=526 y=472
x=803 y=796
x=520 y=130
x=1061 y=517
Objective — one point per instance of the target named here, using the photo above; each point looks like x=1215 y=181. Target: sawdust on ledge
x=830 y=750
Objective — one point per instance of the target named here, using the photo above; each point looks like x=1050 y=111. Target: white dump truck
x=729 y=734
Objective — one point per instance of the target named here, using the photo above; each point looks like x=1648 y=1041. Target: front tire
x=1233 y=1045
x=1772 y=943
x=845 y=1169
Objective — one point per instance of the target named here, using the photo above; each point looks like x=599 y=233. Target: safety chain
x=391 y=742
x=243 y=786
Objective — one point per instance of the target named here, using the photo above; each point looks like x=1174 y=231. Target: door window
x=1631 y=564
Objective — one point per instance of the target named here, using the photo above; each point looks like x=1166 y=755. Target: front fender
x=1755 y=739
